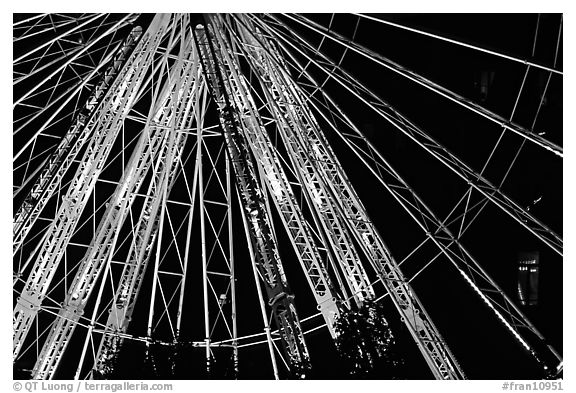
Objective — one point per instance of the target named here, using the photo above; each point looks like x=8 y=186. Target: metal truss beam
x=263 y=241
x=185 y=92
x=309 y=138
x=448 y=159
x=288 y=114
x=61 y=159
x=107 y=125
x=175 y=103
x=467 y=266
x=145 y=235
x=336 y=230
x=280 y=189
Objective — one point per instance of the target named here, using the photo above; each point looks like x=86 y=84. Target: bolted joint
x=29 y=302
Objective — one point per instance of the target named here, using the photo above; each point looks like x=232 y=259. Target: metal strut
x=447 y=158
x=147 y=226
x=466 y=103
x=128 y=288
x=108 y=120
x=274 y=177
x=61 y=159
x=470 y=269
x=280 y=297
x=129 y=285
x=154 y=140
x=317 y=193
x=305 y=140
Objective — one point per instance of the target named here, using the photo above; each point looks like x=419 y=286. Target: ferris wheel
x=227 y=187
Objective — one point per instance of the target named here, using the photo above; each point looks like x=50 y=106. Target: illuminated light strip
x=498 y=314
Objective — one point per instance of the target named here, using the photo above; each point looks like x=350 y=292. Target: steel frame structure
x=268 y=155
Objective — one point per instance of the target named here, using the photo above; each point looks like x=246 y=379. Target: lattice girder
x=108 y=121
x=263 y=241
x=435 y=351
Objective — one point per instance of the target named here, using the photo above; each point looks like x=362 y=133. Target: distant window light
x=528 y=278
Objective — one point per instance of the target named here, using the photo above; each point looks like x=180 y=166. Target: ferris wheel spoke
x=464 y=44
x=76 y=66
x=27 y=20
x=55 y=39
x=360 y=151
x=469 y=192
x=31 y=159
x=438 y=240
x=274 y=177
x=35 y=343
x=444 y=247
x=89 y=334
x=73 y=58
x=511 y=165
x=279 y=141
x=62 y=228
x=227 y=92
x=359 y=224
x=257 y=278
x=102 y=204
x=531 y=135
x=70 y=146
x=41 y=62
x=67 y=96
x=458 y=167
x=140 y=252
x=48 y=26
x=90 y=264
x=89 y=54
x=75 y=50
x=49 y=123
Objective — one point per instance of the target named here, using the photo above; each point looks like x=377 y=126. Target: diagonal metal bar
x=464 y=44
x=433 y=227
x=379 y=59
x=448 y=159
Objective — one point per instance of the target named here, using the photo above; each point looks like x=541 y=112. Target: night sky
x=483 y=347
